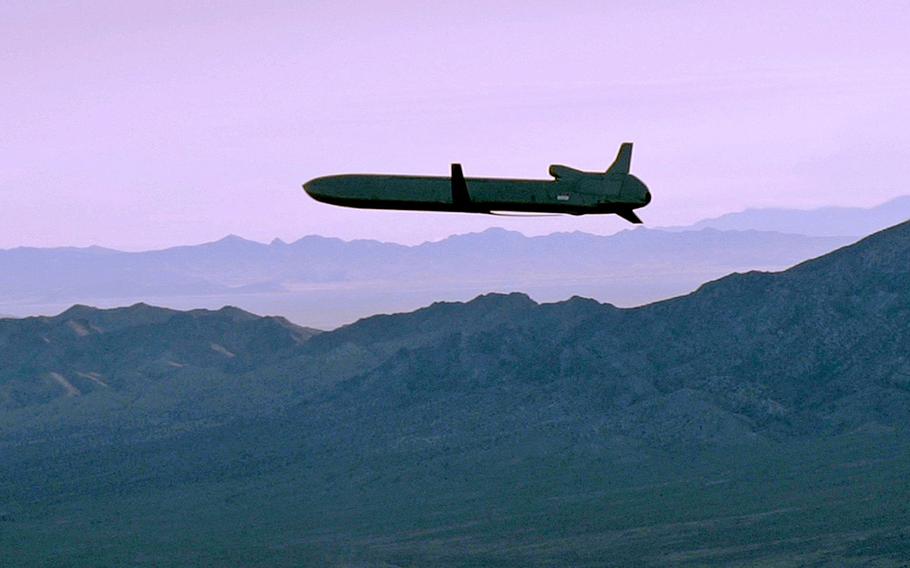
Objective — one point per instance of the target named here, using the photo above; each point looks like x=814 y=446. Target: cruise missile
x=570 y=191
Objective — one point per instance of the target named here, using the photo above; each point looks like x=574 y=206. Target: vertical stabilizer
x=623 y=160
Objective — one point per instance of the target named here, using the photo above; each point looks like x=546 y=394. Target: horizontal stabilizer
x=629 y=216
x=623 y=161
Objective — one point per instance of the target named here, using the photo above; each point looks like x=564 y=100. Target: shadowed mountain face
x=761 y=419
x=326 y=282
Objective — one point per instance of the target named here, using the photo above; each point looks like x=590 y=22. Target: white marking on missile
x=563 y=197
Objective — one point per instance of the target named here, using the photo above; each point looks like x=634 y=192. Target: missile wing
x=570 y=191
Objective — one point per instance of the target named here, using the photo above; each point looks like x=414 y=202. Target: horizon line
x=277 y=240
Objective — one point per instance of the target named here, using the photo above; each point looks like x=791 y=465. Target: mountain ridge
x=756 y=296
x=821 y=221
x=361 y=277
x=497 y=432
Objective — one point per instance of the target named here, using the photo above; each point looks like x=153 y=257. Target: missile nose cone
x=316 y=188
x=327 y=189
x=310 y=186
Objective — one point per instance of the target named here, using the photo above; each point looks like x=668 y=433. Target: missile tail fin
x=629 y=216
x=623 y=161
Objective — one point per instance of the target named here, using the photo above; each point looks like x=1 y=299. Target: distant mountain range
x=762 y=419
x=821 y=222
x=327 y=282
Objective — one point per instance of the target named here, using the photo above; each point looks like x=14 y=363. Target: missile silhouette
x=571 y=191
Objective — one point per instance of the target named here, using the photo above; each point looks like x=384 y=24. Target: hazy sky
x=140 y=125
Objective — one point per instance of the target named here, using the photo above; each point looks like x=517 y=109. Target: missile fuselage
x=571 y=191
x=434 y=193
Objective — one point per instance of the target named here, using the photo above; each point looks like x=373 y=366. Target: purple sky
x=138 y=126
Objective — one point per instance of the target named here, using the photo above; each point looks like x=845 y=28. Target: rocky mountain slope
x=761 y=419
